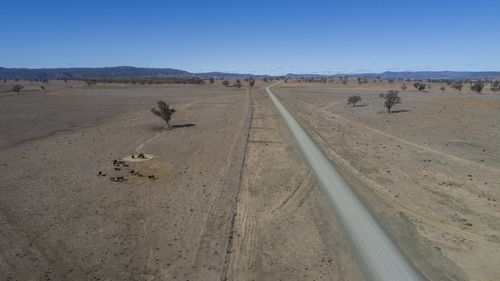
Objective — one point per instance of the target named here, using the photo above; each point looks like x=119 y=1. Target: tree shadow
x=400 y=111
x=184 y=125
x=163 y=128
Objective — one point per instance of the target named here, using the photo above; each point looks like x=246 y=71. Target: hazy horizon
x=313 y=37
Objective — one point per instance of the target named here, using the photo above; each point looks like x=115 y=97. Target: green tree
x=391 y=99
x=163 y=111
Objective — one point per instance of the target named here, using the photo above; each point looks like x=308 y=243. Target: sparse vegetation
x=477 y=87
x=495 y=86
x=17 y=88
x=163 y=111
x=251 y=82
x=237 y=84
x=211 y=80
x=419 y=86
x=353 y=100
x=145 y=80
x=457 y=85
x=225 y=83
x=391 y=99
x=442 y=88
x=42 y=88
x=404 y=87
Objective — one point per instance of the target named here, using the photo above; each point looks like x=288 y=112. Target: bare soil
x=68 y=211
x=430 y=171
x=225 y=194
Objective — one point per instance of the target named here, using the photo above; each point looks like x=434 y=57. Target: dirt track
x=284 y=227
x=429 y=171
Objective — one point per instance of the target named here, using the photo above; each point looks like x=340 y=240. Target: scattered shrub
x=17 y=88
x=353 y=100
x=477 y=87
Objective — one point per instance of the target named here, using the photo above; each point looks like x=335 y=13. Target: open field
x=231 y=197
x=429 y=171
x=59 y=220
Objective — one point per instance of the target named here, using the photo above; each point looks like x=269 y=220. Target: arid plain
x=231 y=197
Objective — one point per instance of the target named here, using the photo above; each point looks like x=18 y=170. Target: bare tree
x=353 y=100
x=17 y=88
x=391 y=99
x=251 y=82
x=163 y=111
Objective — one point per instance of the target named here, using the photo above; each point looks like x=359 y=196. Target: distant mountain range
x=417 y=75
x=129 y=71
x=108 y=72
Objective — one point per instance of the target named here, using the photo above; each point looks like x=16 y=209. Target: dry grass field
x=430 y=170
x=225 y=194
x=59 y=220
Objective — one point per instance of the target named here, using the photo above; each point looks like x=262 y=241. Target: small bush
x=457 y=85
x=477 y=87
x=419 y=86
x=353 y=100
x=17 y=88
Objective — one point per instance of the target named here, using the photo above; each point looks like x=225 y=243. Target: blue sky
x=260 y=37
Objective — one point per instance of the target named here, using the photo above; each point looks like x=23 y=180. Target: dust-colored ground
x=168 y=219
x=284 y=228
x=430 y=171
x=225 y=195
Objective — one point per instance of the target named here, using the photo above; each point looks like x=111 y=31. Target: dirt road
x=381 y=259
x=428 y=172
